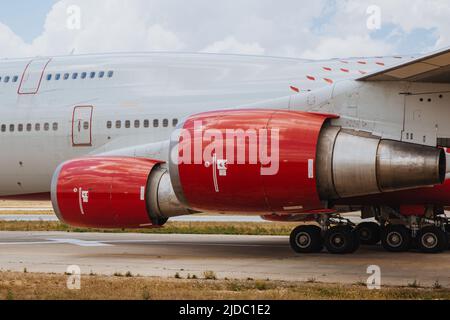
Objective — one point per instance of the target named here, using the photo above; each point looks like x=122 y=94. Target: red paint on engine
x=104 y=192
x=244 y=189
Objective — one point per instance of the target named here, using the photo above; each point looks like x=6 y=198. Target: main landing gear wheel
x=341 y=240
x=369 y=233
x=432 y=239
x=396 y=238
x=306 y=239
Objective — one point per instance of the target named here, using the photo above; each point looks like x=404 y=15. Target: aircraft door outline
x=82 y=126
x=32 y=76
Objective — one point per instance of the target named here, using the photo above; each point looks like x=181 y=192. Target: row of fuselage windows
x=156 y=123
x=64 y=76
x=81 y=75
x=7 y=79
x=29 y=127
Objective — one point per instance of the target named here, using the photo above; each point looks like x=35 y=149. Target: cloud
x=350 y=46
x=314 y=29
x=231 y=45
x=11 y=44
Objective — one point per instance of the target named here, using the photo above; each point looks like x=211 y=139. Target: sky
x=318 y=29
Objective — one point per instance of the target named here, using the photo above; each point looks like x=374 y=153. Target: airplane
x=131 y=140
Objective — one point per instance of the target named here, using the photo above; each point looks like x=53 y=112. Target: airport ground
x=36 y=286
x=240 y=260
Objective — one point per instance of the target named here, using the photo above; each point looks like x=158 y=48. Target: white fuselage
x=45 y=121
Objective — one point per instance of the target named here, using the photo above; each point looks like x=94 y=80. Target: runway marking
x=108 y=243
x=22 y=243
x=160 y=242
x=77 y=242
x=81 y=243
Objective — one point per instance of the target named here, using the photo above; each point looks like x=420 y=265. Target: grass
x=235 y=228
x=20 y=286
x=209 y=275
x=25 y=213
x=414 y=284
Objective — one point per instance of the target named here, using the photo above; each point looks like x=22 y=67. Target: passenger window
x=110 y=74
x=66 y=76
x=0 y=79
x=118 y=124
x=174 y=122
x=55 y=126
x=92 y=75
x=75 y=76
x=3 y=127
x=49 y=77
x=146 y=123
x=137 y=124
x=11 y=127
x=57 y=76
x=101 y=74
x=156 y=123
x=83 y=75
x=86 y=125
x=7 y=79
x=165 y=123
x=109 y=124
x=15 y=78
x=29 y=127
x=46 y=126
x=20 y=127
x=127 y=124
x=37 y=127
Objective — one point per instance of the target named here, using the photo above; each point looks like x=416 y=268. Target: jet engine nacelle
x=283 y=162
x=114 y=192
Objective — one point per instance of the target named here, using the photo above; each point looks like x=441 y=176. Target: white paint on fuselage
x=144 y=86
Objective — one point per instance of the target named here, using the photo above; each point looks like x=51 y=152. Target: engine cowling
x=114 y=192
x=299 y=163
x=247 y=161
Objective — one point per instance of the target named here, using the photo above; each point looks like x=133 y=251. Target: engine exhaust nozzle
x=354 y=164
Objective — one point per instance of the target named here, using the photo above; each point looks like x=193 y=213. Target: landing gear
x=432 y=239
x=306 y=239
x=369 y=233
x=396 y=238
x=341 y=240
x=336 y=234
x=399 y=230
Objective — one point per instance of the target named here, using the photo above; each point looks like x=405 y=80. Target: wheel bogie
x=430 y=234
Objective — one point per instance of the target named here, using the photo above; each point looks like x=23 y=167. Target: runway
x=234 y=257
